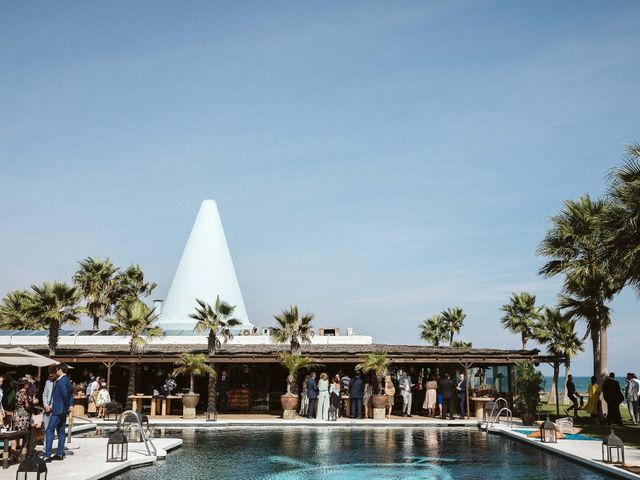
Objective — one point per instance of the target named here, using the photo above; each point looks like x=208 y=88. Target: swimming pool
x=292 y=453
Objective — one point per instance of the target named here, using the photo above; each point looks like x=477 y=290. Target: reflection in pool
x=291 y=453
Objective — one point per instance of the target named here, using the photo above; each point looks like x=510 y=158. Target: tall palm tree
x=623 y=220
x=55 y=304
x=433 y=331
x=557 y=331
x=131 y=285
x=293 y=328
x=95 y=279
x=453 y=319
x=15 y=312
x=216 y=321
x=576 y=245
x=520 y=315
x=135 y=320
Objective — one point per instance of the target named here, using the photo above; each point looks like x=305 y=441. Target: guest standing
x=62 y=405
x=430 y=398
x=304 y=400
x=47 y=393
x=613 y=396
x=591 y=407
x=461 y=390
x=632 y=391
x=312 y=394
x=366 y=396
x=334 y=395
x=356 y=392
x=405 y=391
x=21 y=415
x=323 y=397
x=446 y=389
x=390 y=392
x=102 y=399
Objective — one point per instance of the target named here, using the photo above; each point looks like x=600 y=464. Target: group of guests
x=613 y=395
x=321 y=397
x=55 y=404
x=97 y=396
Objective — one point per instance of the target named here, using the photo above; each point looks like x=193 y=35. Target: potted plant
x=193 y=365
x=293 y=363
x=376 y=362
x=529 y=382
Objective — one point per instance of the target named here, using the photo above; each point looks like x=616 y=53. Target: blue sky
x=374 y=163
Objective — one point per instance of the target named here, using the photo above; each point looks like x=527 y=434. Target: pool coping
x=556 y=448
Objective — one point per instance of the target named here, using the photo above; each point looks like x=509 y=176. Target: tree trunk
x=211 y=395
x=604 y=352
x=554 y=393
x=595 y=347
x=524 y=341
x=211 y=342
x=192 y=383
x=131 y=388
x=54 y=333
x=295 y=348
x=96 y=322
x=567 y=370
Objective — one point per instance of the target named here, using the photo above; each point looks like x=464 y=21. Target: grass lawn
x=629 y=433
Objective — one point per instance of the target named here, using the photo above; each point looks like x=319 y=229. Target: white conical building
x=205 y=271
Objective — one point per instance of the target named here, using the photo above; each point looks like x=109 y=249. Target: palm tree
x=520 y=315
x=293 y=328
x=216 y=321
x=55 y=304
x=95 y=279
x=576 y=245
x=556 y=330
x=452 y=319
x=461 y=344
x=15 y=312
x=193 y=365
x=432 y=330
x=294 y=363
x=131 y=285
x=135 y=319
x=376 y=362
x=623 y=220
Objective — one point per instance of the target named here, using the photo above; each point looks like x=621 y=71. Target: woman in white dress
x=323 y=398
x=430 y=398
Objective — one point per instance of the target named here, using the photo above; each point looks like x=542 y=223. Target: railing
x=144 y=434
x=496 y=404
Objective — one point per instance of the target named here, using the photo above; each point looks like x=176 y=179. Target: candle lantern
x=117 y=447
x=548 y=433
x=32 y=468
x=212 y=414
x=610 y=445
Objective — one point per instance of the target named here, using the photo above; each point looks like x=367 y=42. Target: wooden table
x=7 y=438
x=480 y=403
x=159 y=404
x=78 y=405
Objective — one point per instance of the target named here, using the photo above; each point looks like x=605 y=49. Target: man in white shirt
x=47 y=393
x=632 y=392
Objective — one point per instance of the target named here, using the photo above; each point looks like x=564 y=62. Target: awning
x=19 y=356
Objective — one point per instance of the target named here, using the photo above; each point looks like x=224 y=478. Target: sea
x=581 y=383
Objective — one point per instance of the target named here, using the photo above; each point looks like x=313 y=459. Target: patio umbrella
x=19 y=356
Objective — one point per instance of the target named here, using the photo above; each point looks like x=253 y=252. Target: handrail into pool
x=143 y=433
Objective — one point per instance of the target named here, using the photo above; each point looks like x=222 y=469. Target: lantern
x=548 y=432
x=212 y=414
x=612 y=444
x=32 y=468
x=333 y=414
x=117 y=447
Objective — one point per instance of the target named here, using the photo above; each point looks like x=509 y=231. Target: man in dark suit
x=312 y=394
x=356 y=392
x=61 y=406
x=461 y=390
x=446 y=388
x=612 y=394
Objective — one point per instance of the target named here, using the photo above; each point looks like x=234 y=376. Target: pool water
x=342 y=453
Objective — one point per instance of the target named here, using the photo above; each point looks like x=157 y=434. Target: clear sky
x=373 y=163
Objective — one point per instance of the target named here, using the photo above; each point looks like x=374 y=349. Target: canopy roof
x=19 y=356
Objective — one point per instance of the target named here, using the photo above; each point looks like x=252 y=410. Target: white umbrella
x=19 y=356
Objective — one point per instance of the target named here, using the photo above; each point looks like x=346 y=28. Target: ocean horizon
x=581 y=383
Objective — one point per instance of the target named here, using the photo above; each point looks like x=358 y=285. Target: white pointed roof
x=205 y=271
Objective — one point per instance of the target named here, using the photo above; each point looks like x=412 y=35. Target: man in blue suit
x=312 y=394
x=61 y=406
x=356 y=392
